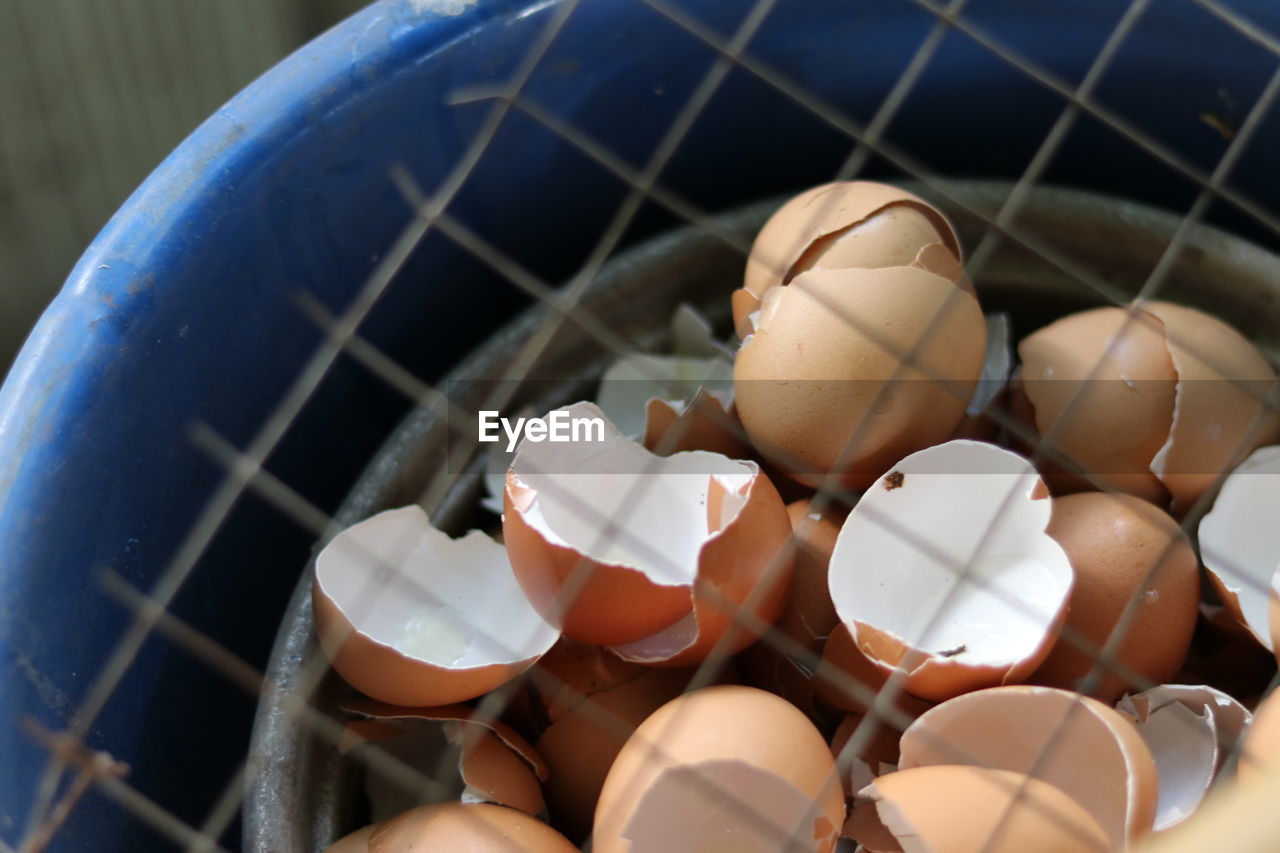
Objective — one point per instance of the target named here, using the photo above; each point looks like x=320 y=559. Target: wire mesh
x=73 y=767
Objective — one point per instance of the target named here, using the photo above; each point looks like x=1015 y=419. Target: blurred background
x=93 y=95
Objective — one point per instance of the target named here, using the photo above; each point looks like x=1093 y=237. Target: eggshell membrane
x=452 y=600
x=467 y=828
x=1113 y=426
x=879 y=750
x=635 y=586
x=731 y=753
x=356 y=842
x=1122 y=548
x=581 y=744
x=821 y=387
x=829 y=212
x=1230 y=717
x=704 y=423
x=1260 y=751
x=952 y=538
x=1216 y=422
x=1240 y=543
x=1094 y=754
x=981 y=810
x=1184 y=743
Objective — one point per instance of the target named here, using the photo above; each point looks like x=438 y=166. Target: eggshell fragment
x=1240 y=542
x=732 y=766
x=1102 y=386
x=706 y=422
x=410 y=616
x=1179 y=723
x=1260 y=751
x=469 y=827
x=658 y=558
x=944 y=570
x=494 y=763
x=821 y=389
x=980 y=810
x=1220 y=412
x=1126 y=553
x=876 y=750
x=631 y=383
x=847 y=679
x=840 y=225
x=591 y=701
x=1083 y=747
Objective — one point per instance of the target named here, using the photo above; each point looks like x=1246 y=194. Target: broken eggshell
x=657 y=558
x=973 y=810
x=1090 y=751
x=730 y=768
x=840 y=225
x=470 y=827
x=1260 y=749
x=490 y=767
x=1190 y=730
x=409 y=615
x=1133 y=563
x=944 y=570
x=822 y=391
x=1240 y=543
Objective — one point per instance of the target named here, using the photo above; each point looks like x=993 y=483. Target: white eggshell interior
x=619 y=504
x=997 y=364
x=1240 y=539
x=450 y=602
x=632 y=381
x=723 y=805
x=954 y=561
x=1185 y=747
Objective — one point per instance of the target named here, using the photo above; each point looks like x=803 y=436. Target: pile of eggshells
x=976 y=622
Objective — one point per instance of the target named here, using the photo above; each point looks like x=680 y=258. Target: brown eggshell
x=1122 y=548
x=982 y=810
x=703 y=424
x=356 y=842
x=819 y=388
x=1260 y=751
x=826 y=213
x=593 y=616
x=744 y=576
x=721 y=763
x=849 y=681
x=1090 y=751
x=809 y=615
x=1101 y=386
x=572 y=672
x=1216 y=422
x=494 y=773
x=467 y=828
x=858 y=768
x=581 y=744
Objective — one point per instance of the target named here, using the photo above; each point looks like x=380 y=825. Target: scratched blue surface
x=184 y=309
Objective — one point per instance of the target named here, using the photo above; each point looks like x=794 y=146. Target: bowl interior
x=1067 y=250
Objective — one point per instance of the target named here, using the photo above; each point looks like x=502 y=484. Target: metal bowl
x=301 y=797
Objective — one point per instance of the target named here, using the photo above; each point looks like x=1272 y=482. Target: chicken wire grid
x=76 y=766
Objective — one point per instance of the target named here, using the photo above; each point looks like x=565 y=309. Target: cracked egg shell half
x=722 y=768
x=848 y=370
x=410 y=616
x=944 y=570
x=956 y=809
x=662 y=559
x=1091 y=752
x=1240 y=545
x=841 y=225
x=1156 y=400
x=494 y=763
